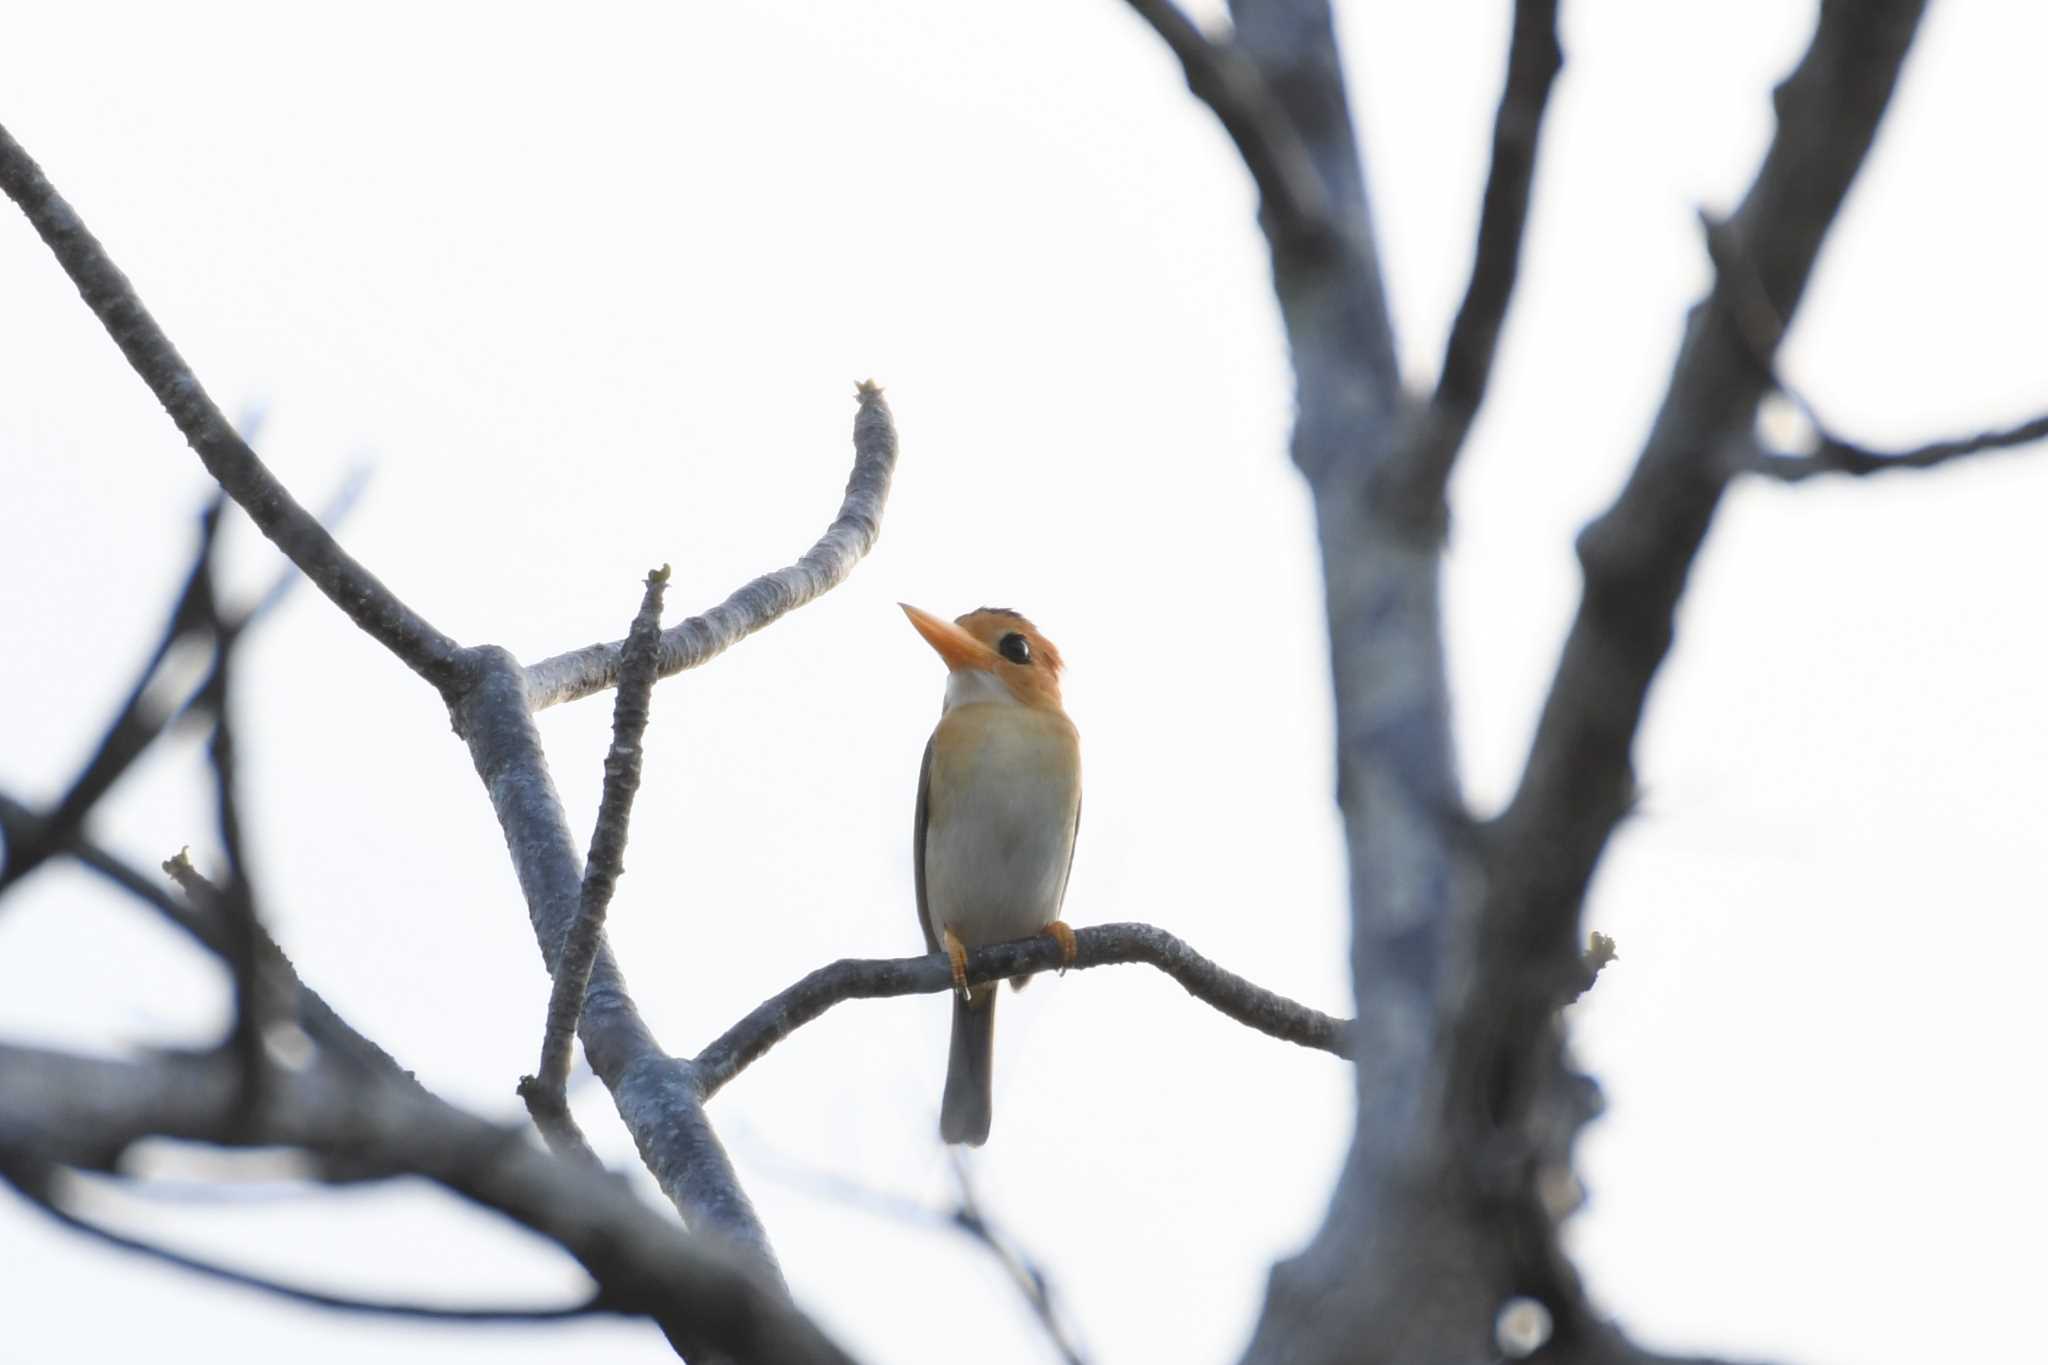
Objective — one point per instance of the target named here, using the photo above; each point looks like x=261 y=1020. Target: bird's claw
x=1070 y=951
x=956 y=953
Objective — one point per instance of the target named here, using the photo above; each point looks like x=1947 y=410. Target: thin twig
x=1834 y=455
x=1762 y=329
x=138 y=723
x=236 y=901
x=1534 y=59
x=967 y=1218
x=353 y=588
x=33 y=1189
x=1295 y=203
x=1030 y=1280
x=1098 y=945
x=203 y=918
x=592 y=669
x=546 y=1092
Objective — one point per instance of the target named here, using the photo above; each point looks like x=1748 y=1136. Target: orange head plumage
x=1000 y=643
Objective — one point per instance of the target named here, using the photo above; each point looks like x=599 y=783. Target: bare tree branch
x=1031 y=1282
x=202 y=919
x=353 y=588
x=1507 y=1107
x=1834 y=455
x=1441 y=425
x=491 y=699
x=86 y=1112
x=1578 y=780
x=968 y=1218
x=1098 y=945
x=141 y=719
x=657 y=1095
x=1762 y=328
x=244 y=936
x=333 y=513
x=592 y=669
x=1292 y=199
x=34 y=1187
x=546 y=1092
x=1407 y=835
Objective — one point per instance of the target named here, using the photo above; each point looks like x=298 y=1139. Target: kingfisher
x=998 y=804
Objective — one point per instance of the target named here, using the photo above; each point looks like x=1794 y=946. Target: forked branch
x=546 y=1092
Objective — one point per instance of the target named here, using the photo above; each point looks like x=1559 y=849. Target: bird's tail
x=965 y=1111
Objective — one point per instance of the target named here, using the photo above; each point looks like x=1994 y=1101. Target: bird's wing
x=924 y=812
x=1075 y=838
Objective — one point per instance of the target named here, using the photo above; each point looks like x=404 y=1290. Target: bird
x=998 y=806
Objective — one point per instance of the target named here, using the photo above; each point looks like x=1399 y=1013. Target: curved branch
x=592 y=669
x=32 y=1187
x=1099 y=945
x=353 y=588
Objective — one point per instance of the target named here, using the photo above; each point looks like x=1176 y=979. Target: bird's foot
x=956 y=952
x=1059 y=933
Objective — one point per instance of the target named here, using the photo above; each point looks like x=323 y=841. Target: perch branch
x=546 y=1092
x=1098 y=945
x=353 y=588
x=592 y=669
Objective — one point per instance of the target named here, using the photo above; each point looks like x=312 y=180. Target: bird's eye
x=1015 y=648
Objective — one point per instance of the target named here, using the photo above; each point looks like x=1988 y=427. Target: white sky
x=592 y=296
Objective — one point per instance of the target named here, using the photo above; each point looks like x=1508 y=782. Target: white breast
x=1005 y=792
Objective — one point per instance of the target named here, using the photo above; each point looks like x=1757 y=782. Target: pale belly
x=1001 y=832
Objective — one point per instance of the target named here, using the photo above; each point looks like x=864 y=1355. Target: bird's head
x=994 y=643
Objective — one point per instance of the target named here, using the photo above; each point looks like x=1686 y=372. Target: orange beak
x=958 y=648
